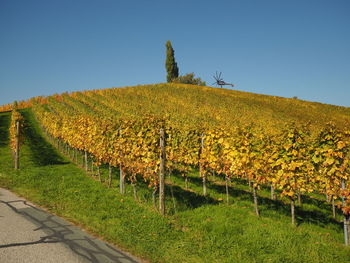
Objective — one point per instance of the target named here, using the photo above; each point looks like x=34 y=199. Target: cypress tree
x=170 y=64
x=15 y=105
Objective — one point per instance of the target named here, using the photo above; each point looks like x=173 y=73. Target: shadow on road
x=59 y=231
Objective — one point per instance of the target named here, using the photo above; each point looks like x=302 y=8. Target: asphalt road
x=30 y=235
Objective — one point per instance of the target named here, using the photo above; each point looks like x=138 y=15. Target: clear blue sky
x=279 y=47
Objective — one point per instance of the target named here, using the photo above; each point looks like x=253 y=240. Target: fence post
x=162 y=172
x=346 y=217
x=17 y=147
x=121 y=174
x=86 y=161
x=201 y=172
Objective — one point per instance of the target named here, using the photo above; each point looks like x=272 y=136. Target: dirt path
x=29 y=234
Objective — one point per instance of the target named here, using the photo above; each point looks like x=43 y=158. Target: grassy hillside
x=196 y=228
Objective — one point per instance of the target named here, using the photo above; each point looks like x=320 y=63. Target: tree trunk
x=186 y=182
x=292 y=211
x=110 y=169
x=17 y=147
x=255 y=197
x=161 y=173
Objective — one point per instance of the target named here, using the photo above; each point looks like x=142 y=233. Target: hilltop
x=199 y=106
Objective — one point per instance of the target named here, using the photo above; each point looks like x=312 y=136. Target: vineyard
x=290 y=160
x=296 y=149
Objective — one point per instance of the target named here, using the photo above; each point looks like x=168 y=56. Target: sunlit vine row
x=292 y=161
x=16 y=117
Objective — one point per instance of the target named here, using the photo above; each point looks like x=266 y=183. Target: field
x=68 y=139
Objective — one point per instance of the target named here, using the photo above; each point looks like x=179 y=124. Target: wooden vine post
x=292 y=210
x=121 y=174
x=86 y=161
x=227 y=180
x=273 y=195
x=346 y=216
x=99 y=173
x=110 y=171
x=255 y=199
x=201 y=171
x=333 y=208
x=121 y=180
x=17 y=146
x=161 y=173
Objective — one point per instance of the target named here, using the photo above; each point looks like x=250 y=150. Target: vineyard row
x=293 y=162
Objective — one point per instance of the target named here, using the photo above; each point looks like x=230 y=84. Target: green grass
x=196 y=229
